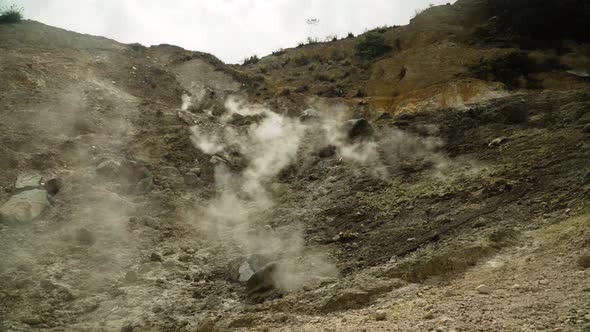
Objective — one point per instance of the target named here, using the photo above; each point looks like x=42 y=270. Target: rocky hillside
x=430 y=177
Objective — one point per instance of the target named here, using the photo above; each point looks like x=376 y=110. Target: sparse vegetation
x=511 y=68
x=11 y=14
x=311 y=41
x=278 y=52
x=372 y=45
x=382 y=29
x=533 y=23
x=251 y=60
x=302 y=60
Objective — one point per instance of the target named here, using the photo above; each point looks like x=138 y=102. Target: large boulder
x=358 y=129
x=262 y=285
x=28 y=181
x=25 y=206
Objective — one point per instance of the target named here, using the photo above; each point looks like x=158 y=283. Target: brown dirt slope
x=480 y=176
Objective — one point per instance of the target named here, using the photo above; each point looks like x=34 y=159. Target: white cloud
x=229 y=29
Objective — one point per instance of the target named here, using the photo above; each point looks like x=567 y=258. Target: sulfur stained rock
x=24 y=207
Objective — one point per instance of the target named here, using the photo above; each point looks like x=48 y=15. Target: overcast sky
x=229 y=29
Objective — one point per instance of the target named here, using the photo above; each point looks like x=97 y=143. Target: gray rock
x=584 y=261
x=54 y=186
x=25 y=206
x=133 y=171
x=191 y=179
x=127 y=328
x=131 y=276
x=145 y=186
x=385 y=116
x=310 y=115
x=359 y=129
x=196 y=170
x=483 y=289
x=241 y=120
x=28 y=182
x=216 y=160
x=245 y=272
x=327 y=151
x=497 y=141
x=206 y=325
x=155 y=257
x=379 y=315
x=108 y=168
x=261 y=286
x=85 y=237
x=188 y=117
x=348 y=299
x=580 y=72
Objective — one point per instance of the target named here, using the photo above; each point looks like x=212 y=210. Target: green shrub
x=336 y=55
x=382 y=29
x=312 y=41
x=12 y=14
x=278 y=52
x=510 y=68
x=534 y=22
x=251 y=60
x=302 y=60
x=372 y=45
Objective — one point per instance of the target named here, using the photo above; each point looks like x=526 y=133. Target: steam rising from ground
x=249 y=159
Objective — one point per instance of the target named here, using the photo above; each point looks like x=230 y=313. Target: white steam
x=249 y=158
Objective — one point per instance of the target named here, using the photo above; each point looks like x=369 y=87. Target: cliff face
x=442 y=184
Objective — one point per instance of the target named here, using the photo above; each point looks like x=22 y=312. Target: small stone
x=196 y=170
x=483 y=289
x=358 y=128
x=327 y=151
x=184 y=258
x=191 y=179
x=155 y=257
x=127 y=328
x=379 y=315
x=32 y=321
x=131 y=276
x=47 y=284
x=497 y=141
x=54 y=186
x=348 y=299
x=85 y=237
x=445 y=320
x=145 y=185
x=25 y=206
x=584 y=261
x=544 y=282
x=216 y=160
x=206 y=325
x=28 y=181
x=429 y=315
x=108 y=168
